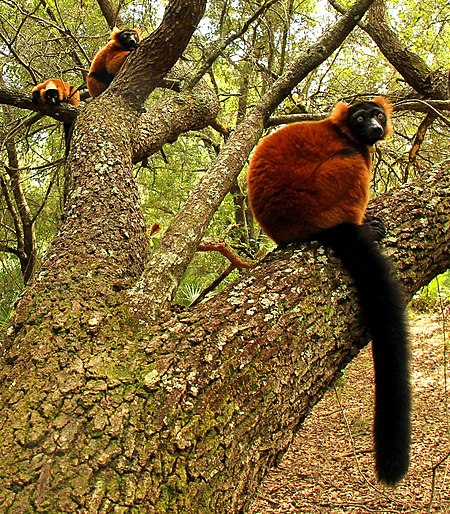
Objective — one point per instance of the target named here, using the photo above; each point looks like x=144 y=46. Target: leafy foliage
x=434 y=296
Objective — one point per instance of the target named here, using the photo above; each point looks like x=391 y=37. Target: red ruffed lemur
x=55 y=92
x=310 y=180
x=109 y=59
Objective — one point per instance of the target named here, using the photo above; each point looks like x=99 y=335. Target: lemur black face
x=367 y=122
x=129 y=39
x=51 y=97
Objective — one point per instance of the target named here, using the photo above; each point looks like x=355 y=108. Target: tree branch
x=175 y=114
x=413 y=105
x=417 y=142
x=22 y=99
x=412 y=67
x=110 y=14
x=21 y=213
x=13 y=213
x=161 y=123
x=226 y=251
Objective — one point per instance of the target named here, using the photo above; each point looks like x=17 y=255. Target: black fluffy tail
x=383 y=306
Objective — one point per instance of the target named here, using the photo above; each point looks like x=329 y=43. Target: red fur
x=309 y=176
x=66 y=92
x=108 y=60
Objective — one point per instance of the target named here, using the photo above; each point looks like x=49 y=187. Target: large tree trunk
x=186 y=416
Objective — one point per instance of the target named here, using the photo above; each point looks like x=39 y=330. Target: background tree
x=111 y=400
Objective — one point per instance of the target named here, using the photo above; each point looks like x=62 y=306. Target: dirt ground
x=329 y=467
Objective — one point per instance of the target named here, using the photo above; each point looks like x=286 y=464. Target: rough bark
x=100 y=413
x=163 y=122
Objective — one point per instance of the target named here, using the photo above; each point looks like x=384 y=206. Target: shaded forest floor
x=325 y=472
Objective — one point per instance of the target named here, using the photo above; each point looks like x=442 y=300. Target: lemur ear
x=339 y=113
x=388 y=108
x=114 y=32
x=338 y=117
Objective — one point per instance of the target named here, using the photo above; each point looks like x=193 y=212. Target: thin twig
x=213 y=285
x=227 y=252
x=221 y=46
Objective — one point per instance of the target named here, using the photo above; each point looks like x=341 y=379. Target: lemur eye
x=380 y=116
x=360 y=119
